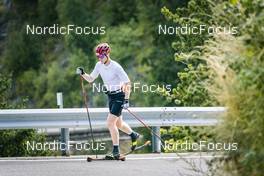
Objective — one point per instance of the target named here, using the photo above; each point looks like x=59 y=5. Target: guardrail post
x=65 y=134
x=155 y=140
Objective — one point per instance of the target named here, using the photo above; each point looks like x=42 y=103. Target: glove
x=126 y=104
x=80 y=71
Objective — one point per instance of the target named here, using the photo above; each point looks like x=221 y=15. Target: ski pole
x=151 y=131
x=87 y=110
x=162 y=141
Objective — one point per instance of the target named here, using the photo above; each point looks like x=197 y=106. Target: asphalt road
x=135 y=165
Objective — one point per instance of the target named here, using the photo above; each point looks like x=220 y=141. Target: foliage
x=190 y=89
x=237 y=71
x=232 y=76
x=178 y=138
x=13 y=142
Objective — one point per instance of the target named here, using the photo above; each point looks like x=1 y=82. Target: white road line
x=173 y=157
x=41 y=160
x=132 y=158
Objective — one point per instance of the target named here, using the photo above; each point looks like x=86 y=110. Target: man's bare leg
x=123 y=126
x=111 y=123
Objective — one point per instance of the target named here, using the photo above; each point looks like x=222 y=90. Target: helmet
x=102 y=48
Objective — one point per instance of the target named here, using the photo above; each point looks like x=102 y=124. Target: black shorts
x=116 y=102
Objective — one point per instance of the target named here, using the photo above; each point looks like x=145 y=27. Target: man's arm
x=126 y=88
x=90 y=78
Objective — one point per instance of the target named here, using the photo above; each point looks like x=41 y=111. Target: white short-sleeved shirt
x=113 y=75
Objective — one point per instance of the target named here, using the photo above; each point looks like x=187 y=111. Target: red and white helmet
x=102 y=48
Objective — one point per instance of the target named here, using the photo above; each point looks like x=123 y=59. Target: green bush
x=13 y=142
x=182 y=136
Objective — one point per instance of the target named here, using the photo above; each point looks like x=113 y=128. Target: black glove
x=126 y=104
x=80 y=71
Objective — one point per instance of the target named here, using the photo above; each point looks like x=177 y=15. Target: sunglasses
x=100 y=56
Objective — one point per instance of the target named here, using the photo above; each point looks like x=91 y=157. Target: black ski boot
x=134 y=136
x=112 y=156
x=115 y=155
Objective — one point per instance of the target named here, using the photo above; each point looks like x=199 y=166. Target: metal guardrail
x=77 y=117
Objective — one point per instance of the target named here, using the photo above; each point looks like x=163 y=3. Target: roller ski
x=118 y=157
x=107 y=157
